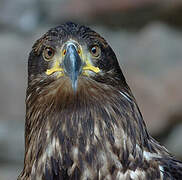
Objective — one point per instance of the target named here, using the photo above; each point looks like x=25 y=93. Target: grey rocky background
x=146 y=37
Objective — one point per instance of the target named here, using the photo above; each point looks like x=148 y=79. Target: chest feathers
x=97 y=133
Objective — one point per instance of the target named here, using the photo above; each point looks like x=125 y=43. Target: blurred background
x=146 y=36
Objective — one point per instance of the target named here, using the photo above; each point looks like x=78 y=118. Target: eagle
x=82 y=120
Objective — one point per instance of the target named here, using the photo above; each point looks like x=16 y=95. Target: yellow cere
x=90 y=67
x=55 y=68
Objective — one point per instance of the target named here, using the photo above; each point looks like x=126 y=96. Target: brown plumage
x=82 y=121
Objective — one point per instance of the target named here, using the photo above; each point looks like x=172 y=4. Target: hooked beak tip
x=74 y=85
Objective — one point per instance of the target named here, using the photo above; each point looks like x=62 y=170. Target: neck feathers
x=97 y=127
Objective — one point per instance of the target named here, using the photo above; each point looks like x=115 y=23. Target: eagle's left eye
x=95 y=51
x=48 y=53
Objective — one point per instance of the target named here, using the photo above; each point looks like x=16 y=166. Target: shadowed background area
x=146 y=37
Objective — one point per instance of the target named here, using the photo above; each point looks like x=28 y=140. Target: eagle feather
x=96 y=133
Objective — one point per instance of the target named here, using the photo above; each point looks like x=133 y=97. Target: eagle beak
x=72 y=64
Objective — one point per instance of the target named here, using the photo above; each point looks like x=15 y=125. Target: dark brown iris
x=95 y=51
x=48 y=53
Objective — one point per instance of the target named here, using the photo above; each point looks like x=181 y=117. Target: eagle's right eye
x=48 y=53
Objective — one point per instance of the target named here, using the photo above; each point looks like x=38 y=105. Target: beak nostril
x=64 y=51
x=79 y=51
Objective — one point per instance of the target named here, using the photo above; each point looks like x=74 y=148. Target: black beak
x=72 y=65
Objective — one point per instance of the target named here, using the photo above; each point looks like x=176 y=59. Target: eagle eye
x=95 y=51
x=48 y=53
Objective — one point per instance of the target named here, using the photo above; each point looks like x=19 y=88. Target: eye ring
x=95 y=51
x=48 y=53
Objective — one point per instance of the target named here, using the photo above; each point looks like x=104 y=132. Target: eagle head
x=73 y=53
